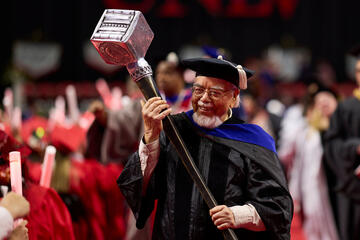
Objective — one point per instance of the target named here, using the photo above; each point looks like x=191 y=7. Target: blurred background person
x=342 y=149
x=111 y=138
x=115 y=133
x=307 y=181
x=169 y=77
x=257 y=114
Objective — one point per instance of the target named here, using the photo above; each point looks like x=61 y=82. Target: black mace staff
x=122 y=37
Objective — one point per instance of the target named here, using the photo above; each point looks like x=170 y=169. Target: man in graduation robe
x=342 y=149
x=238 y=162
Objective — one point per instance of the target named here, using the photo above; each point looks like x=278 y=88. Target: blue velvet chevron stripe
x=249 y=133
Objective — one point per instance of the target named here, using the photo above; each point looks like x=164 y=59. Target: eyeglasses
x=214 y=94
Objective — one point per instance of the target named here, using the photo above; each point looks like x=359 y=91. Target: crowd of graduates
x=83 y=200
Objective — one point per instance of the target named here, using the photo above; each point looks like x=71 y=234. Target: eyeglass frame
x=221 y=91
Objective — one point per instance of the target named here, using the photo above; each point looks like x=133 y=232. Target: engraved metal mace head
x=122 y=37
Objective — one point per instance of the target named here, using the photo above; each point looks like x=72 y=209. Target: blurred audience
x=48 y=217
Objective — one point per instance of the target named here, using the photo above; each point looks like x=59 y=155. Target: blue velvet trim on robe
x=249 y=133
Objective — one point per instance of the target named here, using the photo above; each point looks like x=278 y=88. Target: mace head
x=122 y=36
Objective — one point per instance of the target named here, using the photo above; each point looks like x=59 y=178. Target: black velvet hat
x=219 y=68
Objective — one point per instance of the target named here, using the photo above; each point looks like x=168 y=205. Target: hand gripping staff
x=122 y=37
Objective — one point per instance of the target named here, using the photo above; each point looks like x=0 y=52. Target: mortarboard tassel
x=242 y=77
x=242 y=74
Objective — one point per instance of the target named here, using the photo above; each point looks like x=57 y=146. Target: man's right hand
x=152 y=115
x=16 y=204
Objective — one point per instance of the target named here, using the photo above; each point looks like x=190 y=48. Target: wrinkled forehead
x=210 y=82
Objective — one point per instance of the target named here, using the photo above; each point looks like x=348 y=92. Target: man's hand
x=20 y=232
x=152 y=115
x=222 y=217
x=16 y=205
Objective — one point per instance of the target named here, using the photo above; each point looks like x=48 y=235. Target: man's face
x=168 y=79
x=217 y=98
x=357 y=72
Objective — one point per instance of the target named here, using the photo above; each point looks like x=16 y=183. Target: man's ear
x=234 y=100
x=236 y=93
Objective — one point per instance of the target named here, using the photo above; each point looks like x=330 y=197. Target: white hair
x=207 y=122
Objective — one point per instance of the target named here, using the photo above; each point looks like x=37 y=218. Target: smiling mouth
x=204 y=109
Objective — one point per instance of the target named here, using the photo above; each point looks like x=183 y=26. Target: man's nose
x=205 y=97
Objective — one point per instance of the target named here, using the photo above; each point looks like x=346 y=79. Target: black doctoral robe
x=341 y=141
x=235 y=172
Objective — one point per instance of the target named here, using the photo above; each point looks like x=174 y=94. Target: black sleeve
x=130 y=183
x=271 y=200
x=341 y=156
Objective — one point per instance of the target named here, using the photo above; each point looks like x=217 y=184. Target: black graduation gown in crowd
x=236 y=173
x=341 y=141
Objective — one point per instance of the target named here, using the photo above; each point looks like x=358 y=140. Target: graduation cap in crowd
x=34 y=132
x=214 y=52
x=220 y=68
x=172 y=63
x=9 y=144
x=68 y=139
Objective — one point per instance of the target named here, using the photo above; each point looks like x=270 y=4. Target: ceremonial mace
x=122 y=37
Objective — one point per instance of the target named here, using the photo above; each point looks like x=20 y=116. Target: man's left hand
x=222 y=217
